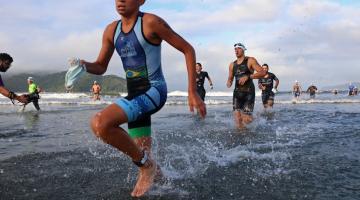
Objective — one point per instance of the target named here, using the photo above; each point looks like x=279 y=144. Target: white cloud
x=304 y=40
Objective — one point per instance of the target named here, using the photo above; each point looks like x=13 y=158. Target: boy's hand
x=196 y=102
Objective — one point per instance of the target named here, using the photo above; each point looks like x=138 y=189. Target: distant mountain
x=341 y=87
x=110 y=84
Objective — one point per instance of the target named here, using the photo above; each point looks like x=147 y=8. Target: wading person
x=243 y=71
x=5 y=64
x=137 y=38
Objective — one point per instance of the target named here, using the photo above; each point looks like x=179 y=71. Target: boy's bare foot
x=145 y=179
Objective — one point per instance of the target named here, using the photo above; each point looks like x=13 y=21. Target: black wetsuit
x=244 y=95
x=312 y=90
x=34 y=98
x=200 y=80
x=268 y=82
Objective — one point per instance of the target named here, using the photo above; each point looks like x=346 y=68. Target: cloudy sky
x=306 y=40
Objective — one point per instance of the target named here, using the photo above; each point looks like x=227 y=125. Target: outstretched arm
x=100 y=65
x=163 y=31
x=12 y=95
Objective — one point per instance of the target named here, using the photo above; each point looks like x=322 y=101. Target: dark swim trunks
x=201 y=92
x=266 y=96
x=244 y=102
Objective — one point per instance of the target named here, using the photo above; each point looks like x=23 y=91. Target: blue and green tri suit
x=146 y=85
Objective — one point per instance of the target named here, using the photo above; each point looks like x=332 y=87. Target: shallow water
x=307 y=150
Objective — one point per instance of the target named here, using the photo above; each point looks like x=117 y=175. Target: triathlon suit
x=297 y=91
x=1 y=81
x=200 y=80
x=146 y=85
x=268 y=82
x=312 y=91
x=33 y=95
x=96 y=89
x=244 y=95
x=351 y=90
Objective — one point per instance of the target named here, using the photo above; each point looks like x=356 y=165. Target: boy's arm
x=107 y=49
x=164 y=32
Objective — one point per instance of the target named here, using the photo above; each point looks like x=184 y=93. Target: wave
x=208 y=94
x=59 y=96
x=320 y=101
x=184 y=102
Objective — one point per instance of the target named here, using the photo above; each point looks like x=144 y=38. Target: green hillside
x=110 y=84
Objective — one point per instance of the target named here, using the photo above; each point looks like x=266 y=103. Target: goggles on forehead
x=239 y=45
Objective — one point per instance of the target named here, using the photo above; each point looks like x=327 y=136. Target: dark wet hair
x=6 y=57
x=265 y=65
x=199 y=64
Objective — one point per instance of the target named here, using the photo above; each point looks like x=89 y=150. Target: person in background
x=33 y=95
x=297 y=90
x=96 y=89
x=200 y=80
x=335 y=91
x=312 y=90
x=351 y=89
x=355 y=91
x=5 y=64
x=243 y=71
x=266 y=85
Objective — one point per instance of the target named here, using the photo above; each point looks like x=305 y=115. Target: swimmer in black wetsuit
x=266 y=86
x=5 y=64
x=200 y=80
x=242 y=69
x=312 y=90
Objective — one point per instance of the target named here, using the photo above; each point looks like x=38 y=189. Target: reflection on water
x=302 y=151
x=31 y=119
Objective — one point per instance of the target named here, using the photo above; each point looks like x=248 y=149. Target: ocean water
x=309 y=149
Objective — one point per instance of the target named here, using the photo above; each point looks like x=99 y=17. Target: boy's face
x=128 y=7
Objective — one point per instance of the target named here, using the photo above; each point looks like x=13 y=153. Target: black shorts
x=201 y=92
x=33 y=97
x=244 y=102
x=266 y=96
x=297 y=94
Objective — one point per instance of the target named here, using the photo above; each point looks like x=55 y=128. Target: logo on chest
x=128 y=50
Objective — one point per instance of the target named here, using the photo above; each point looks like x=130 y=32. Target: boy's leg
x=106 y=125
